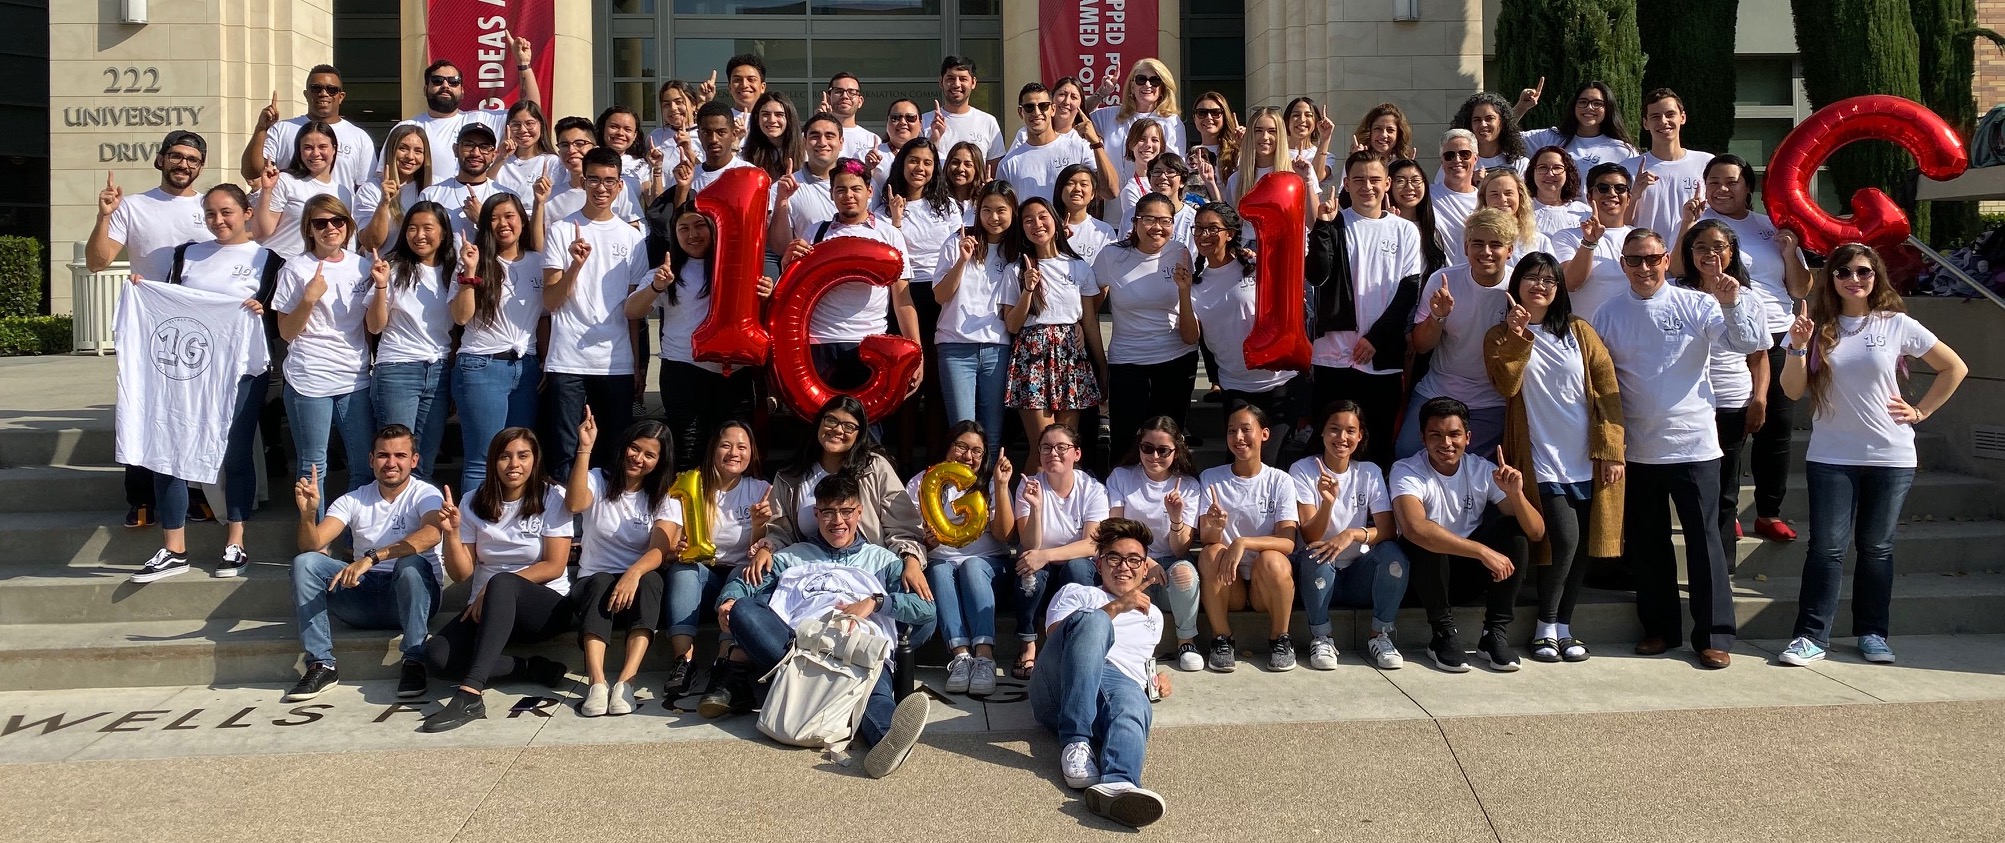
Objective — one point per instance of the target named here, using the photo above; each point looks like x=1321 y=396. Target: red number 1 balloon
x=1278 y=207
x=892 y=360
x=736 y=205
x=1876 y=220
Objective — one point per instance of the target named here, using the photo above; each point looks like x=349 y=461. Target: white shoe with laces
x=1383 y=653
x=958 y=672
x=1075 y=762
x=1322 y=653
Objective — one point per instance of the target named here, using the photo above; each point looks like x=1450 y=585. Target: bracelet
x=469 y=280
x=657 y=290
x=1796 y=352
x=522 y=68
x=1096 y=145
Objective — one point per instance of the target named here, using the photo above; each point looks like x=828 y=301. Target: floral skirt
x=1049 y=370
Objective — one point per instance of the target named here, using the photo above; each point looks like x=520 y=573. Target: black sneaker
x=412 y=682
x=1224 y=655
x=1447 y=652
x=1280 y=654
x=548 y=673
x=165 y=563
x=464 y=707
x=679 y=676
x=235 y=560
x=319 y=677
x=138 y=515
x=198 y=510
x=733 y=695
x=1497 y=648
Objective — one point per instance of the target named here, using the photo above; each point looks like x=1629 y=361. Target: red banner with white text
x=475 y=34
x=1082 y=38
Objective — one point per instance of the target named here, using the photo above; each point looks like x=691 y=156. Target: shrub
x=22 y=336
x=20 y=276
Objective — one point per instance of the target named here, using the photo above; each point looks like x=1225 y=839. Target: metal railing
x=94 y=303
x=1947 y=266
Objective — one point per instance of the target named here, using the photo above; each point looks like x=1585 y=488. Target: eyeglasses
x=843 y=512
x=446 y=81
x=845 y=92
x=1644 y=260
x=902 y=118
x=1457 y=154
x=1153 y=219
x=1711 y=248
x=328 y=90
x=1593 y=104
x=1055 y=448
x=325 y=223
x=838 y=425
x=1038 y=107
x=964 y=448
x=178 y=158
x=1116 y=560
x=1550 y=169
x=1211 y=230
x=1150 y=80
x=1149 y=450
x=576 y=144
x=1410 y=181
x=1531 y=281
x=1212 y=113
x=602 y=182
x=1611 y=189
x=476 y=146
x=523 y=126
x=1847 y=273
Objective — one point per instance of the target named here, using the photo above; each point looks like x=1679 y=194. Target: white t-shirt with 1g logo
x=182 y=351
x=375 y=522
x=512 y=542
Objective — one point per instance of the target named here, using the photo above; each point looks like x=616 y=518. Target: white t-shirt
x=1765 y=264
x=972 y=315
x=855 y=310
x=369 y=200
x=1142 y=294
x=354 y=150
x=1605 y=278
x=1226 y=301
x=702 y=178
x=519 y=175
x=1555 y=396
x=858 y=142
x=1135 y=634
x=810 y=206
x=421 y=321
x=151 y=224
x=1141 y=499
x=226 y=270
x=1498 y=162
x=1360 y=495
x=512 y=542
x=181 y=352
x=1451 y=209
x=1033 y=170
x=1856 y=429
x=588 y=333
x=1065 y=280
x=1457 y=371
x=1661 y=347
x=1585 y=151
x=451 y=193
x=1064 y=518
x=1553 y=219
x=514 y=327
x=1662 y=207
x=331 y=355
x=1733 y=382
x=805 y=523
x=289 y=197
x=1254 y=506
x=441 y=133
x=925 y=229
x=1088 y=238
x=568 y=197
x=668 y=139
x=1382 y=251
x=1114 y=131
x=680 y=320
x=374 y=522
x=616 y=530
x=1456 y=503
x=974 y=126
x=731 y=526
x=984 y=545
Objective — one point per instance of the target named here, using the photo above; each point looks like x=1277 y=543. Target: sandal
x=1024 y=665
x=1545 y=650
x=1573 y=649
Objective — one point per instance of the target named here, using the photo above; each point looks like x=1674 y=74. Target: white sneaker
x=1189 y=660
x=596 y=700
x=1322 y=653
x=1125 y=803
x=621 y=699
x=982 y=677
x=958 y=672
x=1383 y=653
x=1075 y=761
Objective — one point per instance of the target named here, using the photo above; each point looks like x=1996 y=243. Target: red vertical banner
x=1081 y=38
x=474 y=35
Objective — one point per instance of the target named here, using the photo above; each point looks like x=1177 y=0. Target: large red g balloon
x=1876 y=220
x=892 y=360
x=736 y=205
x=1277 y=208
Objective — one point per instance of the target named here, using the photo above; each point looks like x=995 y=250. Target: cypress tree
x=1948 y=32
x=1570 y=43
x=1690 y=46
x=1854 y=47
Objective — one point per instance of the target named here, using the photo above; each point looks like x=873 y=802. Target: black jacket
x=1328 y=275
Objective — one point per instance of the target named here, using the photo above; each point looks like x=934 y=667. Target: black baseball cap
x=183 y=137
x=477 y=130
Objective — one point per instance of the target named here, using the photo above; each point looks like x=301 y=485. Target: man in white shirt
x=1457 y=510
x=745 y=77
x=1668 y=175
x=463 y=194
x=844 y=98
x=1458 y=307
x=1454 y=195
x=271 y=142
x=592 y=260
x=575 y=137
x=1094 y=672
x=393 y=582
x=1661 y=338
x=807 y=205
x=954 y=119
x=1366 y=266
x=855 y=310
x=1032 y=167
x=445 y=89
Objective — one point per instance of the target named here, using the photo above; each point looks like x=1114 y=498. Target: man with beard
x=462 y=195
x=954 y=117
x=445 y=87
x=272 y=141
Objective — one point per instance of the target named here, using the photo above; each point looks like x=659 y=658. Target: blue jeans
x=402 y=599
x=1861 y=505
x=1486 y=432
x=689 y=584
x=491 y=393
x=972 y=378
x=765 y=639
x=1030 y=591
x=1181 y=602
x=414 y=395
x=1077 y=694
x=312 y=419
x=965 y=597
x=1375 y=581
x=240 y=476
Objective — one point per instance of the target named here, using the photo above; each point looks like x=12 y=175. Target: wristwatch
x=373 y=557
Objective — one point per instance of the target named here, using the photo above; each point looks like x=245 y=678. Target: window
x=366 y=49
x=1214 y=51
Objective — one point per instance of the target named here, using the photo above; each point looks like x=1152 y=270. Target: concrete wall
x=1973 y=328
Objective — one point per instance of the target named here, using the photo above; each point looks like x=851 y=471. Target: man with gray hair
x=1454 y=192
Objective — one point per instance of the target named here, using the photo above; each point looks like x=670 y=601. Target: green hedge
x=20 y=276
x=22 y=336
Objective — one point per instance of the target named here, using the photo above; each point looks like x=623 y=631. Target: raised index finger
x=1540 y=88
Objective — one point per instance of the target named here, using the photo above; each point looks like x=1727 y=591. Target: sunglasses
x=1611 y=189
x=328 y=90
x=1213 y=113
x=903 y=118
x=1148 y=450
x=1644 y=260
x=1150 y=80
x=325 y=223
x=1458 y=155
x=447 y=81
x=1847 y=273
x=1038 y=107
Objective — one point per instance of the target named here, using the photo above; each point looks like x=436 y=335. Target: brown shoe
x=1711 y=659
x=1652 y=646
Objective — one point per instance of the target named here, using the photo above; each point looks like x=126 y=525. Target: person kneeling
x=1098 y=663
x=837 y=571
x=1443 y=500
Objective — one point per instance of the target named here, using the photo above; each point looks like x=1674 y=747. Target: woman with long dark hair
x=965 y=579
x=916 y=201
x=1309 y=134
x=1145 y=279
x=412 y=318
x=774 y=140
x=1592 y=132
x=739 y=505
x=1710 y=251
x=1052 y=517
x=499 y=303
x=407 y=171
x=529 y=165
x=1072 y=200
x=1246 y=523
x=1343 y=517
x=972 y=341
x=1055 y=363
x=1217 y=132
x=1499 y=143
x=630 y=525
x=1410 y=201
x=843 y=442
x=1222 y=291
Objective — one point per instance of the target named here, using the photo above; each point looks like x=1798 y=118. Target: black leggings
x=1768 y=456
x=1141 y=391
x=696 y=401
x=594 y=620
x=512 y=611
x=1559 y=582
x=1433 y=575
x=1732 y=426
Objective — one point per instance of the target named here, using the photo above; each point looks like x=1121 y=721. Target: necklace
x=1863 y=322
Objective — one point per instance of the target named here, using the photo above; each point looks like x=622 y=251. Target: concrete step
x=1920 y=547
x=1942 y=494
x=56 y=442
x=227 y=651
x=96 y=538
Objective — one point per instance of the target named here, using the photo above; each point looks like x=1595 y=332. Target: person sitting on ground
x=1098 y=664
x=835 y=570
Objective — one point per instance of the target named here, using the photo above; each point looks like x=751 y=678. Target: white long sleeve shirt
x=1662 y=346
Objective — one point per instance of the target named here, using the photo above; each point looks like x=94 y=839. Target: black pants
x=139 y=486
x=1138 y=392
x=1768 y=457
x=840 y=366
x=1442 y=580
x=565 y=397
x=1732 y=425
x=1567 y=524
x=1380 y=396
x=594 y=620
x=696 y=401
x=512 y=611
x=1693 y=488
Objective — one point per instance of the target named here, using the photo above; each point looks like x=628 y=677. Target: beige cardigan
x=1504 y=356
x=890 y=518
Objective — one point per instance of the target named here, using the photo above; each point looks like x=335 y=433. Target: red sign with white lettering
x=474 y=35
x=1082 y=38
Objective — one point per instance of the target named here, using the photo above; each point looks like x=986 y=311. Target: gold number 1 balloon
x=688 y=489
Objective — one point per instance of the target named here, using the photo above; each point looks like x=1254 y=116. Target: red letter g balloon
x=892 y=360
x=1876 y=220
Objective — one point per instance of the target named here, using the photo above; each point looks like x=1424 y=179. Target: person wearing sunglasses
x=445 y=89
x=1591 y=254
x=1148 y=93
x=901 y=125
x=1095 y=693
x=1156 y=484
x=1456 y=197
x=1068 y=97
x=1591 y=133
x=271 y=141
x=1667 y=174
x=1846 y=358
x=1662 y=338
x=1032 y=167
x=1218 y=133
x=322 y=303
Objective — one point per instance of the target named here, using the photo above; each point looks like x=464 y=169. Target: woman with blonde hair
x=1150 y=92
x=1266 y=144
x=1385 y=132
x=1505 y=190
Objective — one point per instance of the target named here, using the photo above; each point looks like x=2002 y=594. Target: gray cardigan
x=890 y=518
